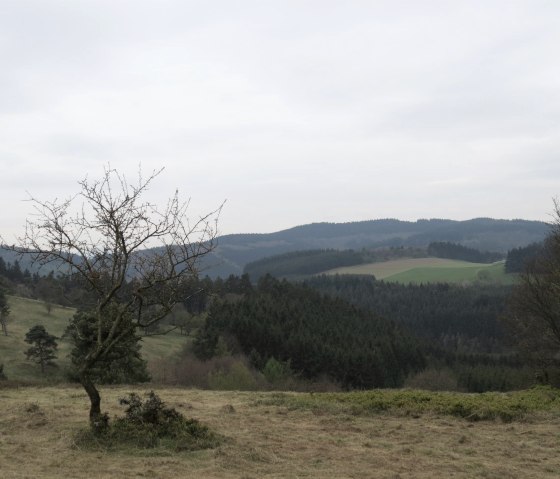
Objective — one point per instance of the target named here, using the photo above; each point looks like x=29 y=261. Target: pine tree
x=43 y=346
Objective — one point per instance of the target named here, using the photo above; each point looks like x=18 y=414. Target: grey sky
x=293 y=111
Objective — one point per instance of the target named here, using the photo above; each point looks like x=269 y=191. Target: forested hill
x=484 y=234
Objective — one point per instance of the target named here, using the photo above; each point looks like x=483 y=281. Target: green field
x=26 y=313
x=430 y=270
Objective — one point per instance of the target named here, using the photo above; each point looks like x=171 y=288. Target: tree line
x=315 y=334
x=449 y=250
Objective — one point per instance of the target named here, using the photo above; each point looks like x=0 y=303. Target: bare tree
x=534 y=313
x=133 y=256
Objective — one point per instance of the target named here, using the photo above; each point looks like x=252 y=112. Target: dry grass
x=37 y=427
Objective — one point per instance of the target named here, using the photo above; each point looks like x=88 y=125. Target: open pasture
x=429 y=270
x=267 y=436
x=26 y=313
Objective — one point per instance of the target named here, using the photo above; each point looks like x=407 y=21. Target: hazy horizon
x=293 y=112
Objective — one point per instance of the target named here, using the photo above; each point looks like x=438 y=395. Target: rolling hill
x=485 y=234
x=234 y=251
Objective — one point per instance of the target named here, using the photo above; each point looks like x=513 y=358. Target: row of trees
x=518 y=259
x=300 y=263
x=457 y=251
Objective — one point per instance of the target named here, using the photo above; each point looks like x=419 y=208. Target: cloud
x=296 y=111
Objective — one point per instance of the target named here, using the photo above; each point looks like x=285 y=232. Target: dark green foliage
x=275 y=371
x=461 y=326
x=317 y=334
x=519 y=258
x=150 y=424
x=534 y=313
x=43 y=347
x=122 y=364
x=481 y=377
x=2 y=373
x=460 y=252
x=299 y=263
x=457 y=318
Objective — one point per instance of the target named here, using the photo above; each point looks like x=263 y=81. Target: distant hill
x=484 y=234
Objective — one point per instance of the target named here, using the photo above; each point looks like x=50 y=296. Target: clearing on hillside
x=26 y=313
x=426 y=270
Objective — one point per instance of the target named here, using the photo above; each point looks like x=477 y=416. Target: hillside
x=430 y=270
x=26 y=313
x=234 y=251
x=484 y=234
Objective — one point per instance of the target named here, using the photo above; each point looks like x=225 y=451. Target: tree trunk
x=4 y=325
x=96 y=420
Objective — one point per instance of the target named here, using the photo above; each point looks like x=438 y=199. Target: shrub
x=275 y=371
x=237 y=378
x=151 y=424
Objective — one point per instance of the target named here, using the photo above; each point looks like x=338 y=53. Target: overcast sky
x=292 y=111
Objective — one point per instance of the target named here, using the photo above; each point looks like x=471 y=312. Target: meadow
x=377 y=434
x=271 y=435
x=26 y=313
x=430 y=270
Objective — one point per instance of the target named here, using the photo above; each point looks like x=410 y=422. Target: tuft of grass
x=473 y=407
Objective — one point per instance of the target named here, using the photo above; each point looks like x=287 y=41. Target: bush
x=237 y=378
x=2 y=374
x=151 y=424
x=276 y=371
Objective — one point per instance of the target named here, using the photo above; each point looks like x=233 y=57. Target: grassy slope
x=419 y=270
x=26 y=313
x=460 y=274
x=270 y=440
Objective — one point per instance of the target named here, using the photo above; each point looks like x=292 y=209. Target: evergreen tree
x=43 y=346
x=315 y=334
x=122 y=364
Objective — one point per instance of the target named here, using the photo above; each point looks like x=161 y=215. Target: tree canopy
x=43 y=346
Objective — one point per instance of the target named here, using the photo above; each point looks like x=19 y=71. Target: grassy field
x=430 y=270
x=270 y=435
x=26 y=313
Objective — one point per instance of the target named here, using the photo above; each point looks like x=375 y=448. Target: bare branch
x=134 y=256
